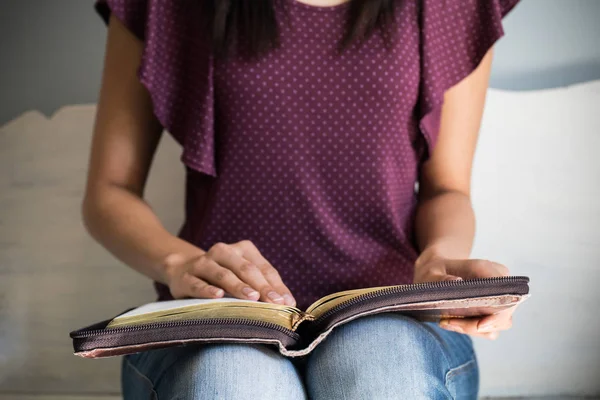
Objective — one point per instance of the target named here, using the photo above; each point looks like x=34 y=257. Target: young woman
x=328 y=146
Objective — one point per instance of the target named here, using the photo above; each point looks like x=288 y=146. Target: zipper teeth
x=419 y=286
x=249 y=322
x=173 y=324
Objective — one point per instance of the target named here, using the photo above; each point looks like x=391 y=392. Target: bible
x=293 y=331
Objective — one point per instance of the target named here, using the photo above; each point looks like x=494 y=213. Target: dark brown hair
x=249 y=28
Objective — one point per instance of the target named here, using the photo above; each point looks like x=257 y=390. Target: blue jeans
x=383 y=356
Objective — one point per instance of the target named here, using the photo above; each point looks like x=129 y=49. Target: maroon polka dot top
x=310 y=154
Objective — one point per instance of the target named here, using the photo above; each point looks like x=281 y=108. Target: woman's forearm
x=126 y=225
x=445 y=222
x=445 y=226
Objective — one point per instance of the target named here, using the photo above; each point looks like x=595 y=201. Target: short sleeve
x=455 y=36
x=176 y=69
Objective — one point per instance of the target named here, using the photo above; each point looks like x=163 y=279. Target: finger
x=461 y=328
x=471 y=326
x=430 y=272
x=499 y=321
x=251 y=273
x=460 y=325
x=451 y=278
x=214 y=273
x=435 y=275
x=246 y=270
x=270 y=273
x=195 y=287
x=489 y=335
x=470 y=269
x=273 y=277
x=439 y=278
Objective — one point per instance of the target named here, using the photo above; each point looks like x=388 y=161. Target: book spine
x=297 y=319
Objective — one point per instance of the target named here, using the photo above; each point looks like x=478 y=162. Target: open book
x=295 y=332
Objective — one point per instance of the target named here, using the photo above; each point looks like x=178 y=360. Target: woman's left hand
x=439 y=269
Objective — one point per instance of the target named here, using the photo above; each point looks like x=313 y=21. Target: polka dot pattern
x=455 y=37
x=311 y=154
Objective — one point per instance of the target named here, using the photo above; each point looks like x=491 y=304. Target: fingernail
x=454 y=278
x=275 y=297
x=451 y=327
x=217 y=292
x=486 y=327
x=251 y=293
x=494 y=335
x=289 y=300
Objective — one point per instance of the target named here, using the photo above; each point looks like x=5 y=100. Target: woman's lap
x=379 y=356
x=392 y=356
x=215 y=371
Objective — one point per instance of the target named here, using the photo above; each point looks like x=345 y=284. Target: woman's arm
x=126 y=135
x=445 y=219
x=445 y=222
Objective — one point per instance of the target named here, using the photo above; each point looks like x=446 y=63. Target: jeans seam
x=452 y=371
x=144 y=378
x=461 y=369
x=436 y=339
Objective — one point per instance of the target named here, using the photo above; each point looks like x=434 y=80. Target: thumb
x=475 y=268
x=435 y=271
x=442 y=276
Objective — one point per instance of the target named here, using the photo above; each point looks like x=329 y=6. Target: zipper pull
x=298 y=318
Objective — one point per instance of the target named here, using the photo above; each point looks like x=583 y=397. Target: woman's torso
x=317 y=155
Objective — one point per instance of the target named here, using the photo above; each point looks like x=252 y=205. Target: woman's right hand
x=238 y=269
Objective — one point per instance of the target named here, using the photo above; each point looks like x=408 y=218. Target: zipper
x=291 y=333
x=175 y=324
x=297 y=319
x=415 y=287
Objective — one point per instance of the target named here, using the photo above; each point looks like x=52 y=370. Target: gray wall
x=548 y=43
x=51 y=51
x=51 y=54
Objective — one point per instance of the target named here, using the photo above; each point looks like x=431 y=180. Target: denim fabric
x=384 y=356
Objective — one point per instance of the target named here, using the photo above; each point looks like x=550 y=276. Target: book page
x=175 y=305
x=326 y=303
x=198 y=309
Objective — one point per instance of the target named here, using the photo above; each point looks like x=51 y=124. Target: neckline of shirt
x=338 y=7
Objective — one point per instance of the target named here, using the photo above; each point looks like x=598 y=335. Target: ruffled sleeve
x=455 y=36
x=177 y=70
